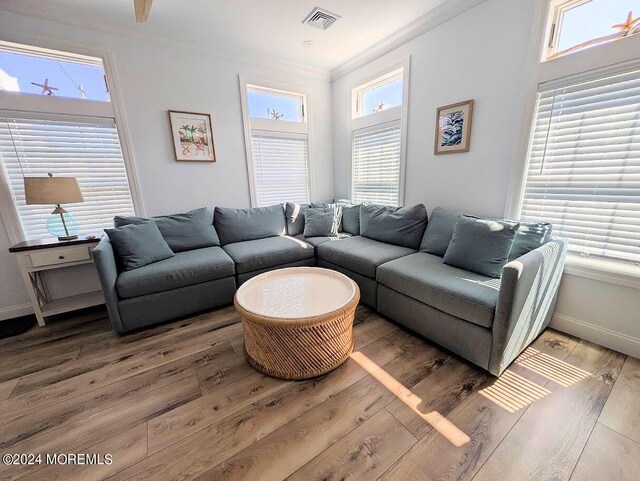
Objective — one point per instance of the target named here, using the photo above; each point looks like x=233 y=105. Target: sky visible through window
x=265 y=105
x=17 y=71
x=388 y=96
x=593 y=20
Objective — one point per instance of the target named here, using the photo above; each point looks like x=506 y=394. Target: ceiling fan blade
x=142 y=8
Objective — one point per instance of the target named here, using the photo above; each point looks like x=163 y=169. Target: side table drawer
x=60 y=256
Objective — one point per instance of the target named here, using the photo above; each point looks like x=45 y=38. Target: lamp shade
x=52 y=190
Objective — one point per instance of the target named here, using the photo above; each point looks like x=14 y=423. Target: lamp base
x=67 y=237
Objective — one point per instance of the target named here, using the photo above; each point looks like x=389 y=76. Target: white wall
x=153 y=78
x=489 y=53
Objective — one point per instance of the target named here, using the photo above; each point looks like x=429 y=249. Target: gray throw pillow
x=439 y=231
x=350 y=216
x=321 y=222
x=237 y=225
x=530 y=236
x=139 y=244
x=481 y=245
x=295 y=218
x=183 y=232
x=401 y=226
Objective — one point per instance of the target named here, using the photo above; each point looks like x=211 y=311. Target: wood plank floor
x=179 y=401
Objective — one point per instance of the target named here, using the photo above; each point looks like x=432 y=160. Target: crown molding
x=432 y=19
x=41 y=11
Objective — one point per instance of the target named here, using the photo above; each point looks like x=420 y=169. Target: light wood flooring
x=179 y=401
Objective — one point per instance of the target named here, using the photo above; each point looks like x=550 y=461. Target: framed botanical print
x=453 y=128
x=192 y=136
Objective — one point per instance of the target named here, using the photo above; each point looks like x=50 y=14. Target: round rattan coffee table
x=298 y=321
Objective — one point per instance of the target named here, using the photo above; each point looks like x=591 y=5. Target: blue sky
x=594 y=19
x=390 y=94
x=27 y=69
x=259 y=102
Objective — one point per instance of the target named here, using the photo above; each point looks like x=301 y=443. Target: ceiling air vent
x=321 y=18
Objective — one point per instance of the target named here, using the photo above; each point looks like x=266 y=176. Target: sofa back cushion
x=481 y=245
x=237 y=225
x=137 y=245
x=401 y=226
x=439 y=231
x=530 y=236
x=322 y=221
x=183 y=232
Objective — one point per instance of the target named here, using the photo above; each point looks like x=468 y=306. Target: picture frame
x=453 y=128
x=192 y=136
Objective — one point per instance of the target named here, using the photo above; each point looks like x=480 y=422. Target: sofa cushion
x=530 y=236
x=294 y=214
x=426 y=278
x=184 y=269
x=322 y=221
x=139 y=244
x=238 y=225
x=481 y=245
x=361 y=254
x=262 y=253
x=316 y=241
x=183 y=232
x=439 y=231
x=400 y=226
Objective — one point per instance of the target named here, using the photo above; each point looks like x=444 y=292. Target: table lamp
x=55 y=190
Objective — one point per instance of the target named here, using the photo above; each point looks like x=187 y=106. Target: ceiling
x=255 y=27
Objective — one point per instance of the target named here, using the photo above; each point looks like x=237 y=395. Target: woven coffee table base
x=295 y=349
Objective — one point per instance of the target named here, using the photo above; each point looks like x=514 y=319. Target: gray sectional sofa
x=395 y=256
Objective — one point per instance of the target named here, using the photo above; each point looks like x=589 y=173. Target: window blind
x=584 y=165
x=376 y=164
x=81 y=147
x=280 y=167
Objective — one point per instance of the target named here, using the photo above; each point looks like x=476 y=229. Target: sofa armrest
x=105 y=261
x=528 y=293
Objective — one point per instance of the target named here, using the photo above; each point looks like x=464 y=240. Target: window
x=377 y=143
x=583 y=171
x=67 y=128
x=277 y=145
x=579 y=24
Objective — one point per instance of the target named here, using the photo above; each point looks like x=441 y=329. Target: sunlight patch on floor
x=434 y=418
x=553 y=369
x=513 y=392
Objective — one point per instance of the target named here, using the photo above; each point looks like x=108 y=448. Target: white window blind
x=584 y=165
x=82 y=147
x=375 y=173
x=280 y=167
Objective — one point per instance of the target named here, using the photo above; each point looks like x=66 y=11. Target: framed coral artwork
x=453 y=128
x=192 y=136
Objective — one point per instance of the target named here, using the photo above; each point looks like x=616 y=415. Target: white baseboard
x=15 y=311
x=600 y=335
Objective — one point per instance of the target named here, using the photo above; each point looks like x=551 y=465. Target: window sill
x=603 y=270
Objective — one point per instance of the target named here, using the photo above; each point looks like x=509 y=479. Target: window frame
x=251 y=124
x=357 y=121
x=64 y=105
x=555 y=17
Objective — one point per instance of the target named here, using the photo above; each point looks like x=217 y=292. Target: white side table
x=37 y=257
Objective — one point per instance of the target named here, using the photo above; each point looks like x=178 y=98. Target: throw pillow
x=295 y=218
x=350 y=216
x=530 y=236
x=139 y=244
x=183 y=232
x=322 y=222
x=481 y=245
x=439 y=231
x=401 y=226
